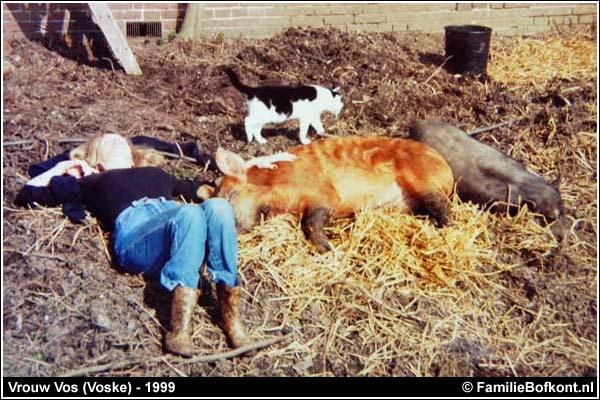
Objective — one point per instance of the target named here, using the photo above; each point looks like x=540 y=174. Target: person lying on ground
x=159 y=237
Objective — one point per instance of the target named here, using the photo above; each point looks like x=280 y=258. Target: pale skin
x=76 y=168
x=113 y=152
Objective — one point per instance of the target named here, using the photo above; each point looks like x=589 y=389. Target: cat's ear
x=231 y=164
x=336 y=91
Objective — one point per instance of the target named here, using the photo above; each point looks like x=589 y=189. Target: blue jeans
x=162 y=238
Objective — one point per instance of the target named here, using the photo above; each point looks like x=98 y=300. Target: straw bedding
x=487 y=295
x=540 y=60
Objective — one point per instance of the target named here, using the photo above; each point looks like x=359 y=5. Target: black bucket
x=469 y=46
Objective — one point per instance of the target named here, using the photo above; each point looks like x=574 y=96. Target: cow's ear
x=230 y=164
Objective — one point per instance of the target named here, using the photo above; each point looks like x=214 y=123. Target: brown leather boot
x=229 y=299
x=183 y=304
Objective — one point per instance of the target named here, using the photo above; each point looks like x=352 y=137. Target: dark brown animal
x=335 y=177
x=486 y=176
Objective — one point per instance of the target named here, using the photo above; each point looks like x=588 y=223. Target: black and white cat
x=275 y=104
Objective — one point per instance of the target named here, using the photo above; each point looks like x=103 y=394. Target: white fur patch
x=354 y=188
x=393 y=195
x=308 y=112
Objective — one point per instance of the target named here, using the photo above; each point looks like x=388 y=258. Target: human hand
x=78 y=168
x=75 y=168
x=267 y=162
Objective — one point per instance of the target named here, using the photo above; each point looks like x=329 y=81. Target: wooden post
x=102 y=16
x=192 y=21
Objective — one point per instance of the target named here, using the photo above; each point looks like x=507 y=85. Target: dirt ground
x=67 y=307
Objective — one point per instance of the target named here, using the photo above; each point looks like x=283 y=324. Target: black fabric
x=108 y=193
x=29 y=195
x=43 y=166
x=67 y=191
x=61 y=190
x=74 y=211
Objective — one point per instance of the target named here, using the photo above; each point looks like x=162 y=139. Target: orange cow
x=335 y=177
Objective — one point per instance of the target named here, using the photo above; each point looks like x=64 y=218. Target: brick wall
x=35 y=20
x=265 y=19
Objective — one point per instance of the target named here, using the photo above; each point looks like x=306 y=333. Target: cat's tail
x=235 y=81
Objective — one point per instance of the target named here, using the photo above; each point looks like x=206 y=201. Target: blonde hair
x=143 y=156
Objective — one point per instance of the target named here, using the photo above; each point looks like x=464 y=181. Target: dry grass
x=537 y=60
x=401 y=288
x=488 y=295
x=445 y=300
